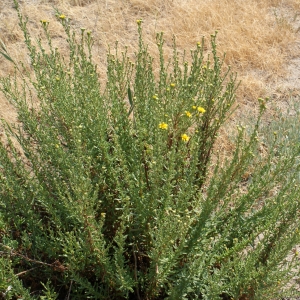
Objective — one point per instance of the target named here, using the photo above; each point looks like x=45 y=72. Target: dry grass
x=258 y=36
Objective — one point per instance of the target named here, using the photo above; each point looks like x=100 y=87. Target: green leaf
x=130 y=101
x=7 y=57
x=130 y=96
x=3 y=45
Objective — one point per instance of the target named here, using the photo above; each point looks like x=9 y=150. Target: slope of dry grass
x=259 y=37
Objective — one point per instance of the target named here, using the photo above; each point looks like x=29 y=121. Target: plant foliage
x=117 y=192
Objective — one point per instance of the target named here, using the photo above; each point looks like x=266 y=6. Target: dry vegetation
x=259 y=37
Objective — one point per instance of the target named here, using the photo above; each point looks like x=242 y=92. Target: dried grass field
x=260 y=38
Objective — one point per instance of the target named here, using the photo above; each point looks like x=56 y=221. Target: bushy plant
x=117 y=192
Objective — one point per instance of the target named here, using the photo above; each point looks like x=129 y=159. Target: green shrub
x=117 y=192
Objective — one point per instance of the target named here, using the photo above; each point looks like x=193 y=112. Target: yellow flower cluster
x=188 y=114
x=163 y=125
x=200 y=109
x=185 y=137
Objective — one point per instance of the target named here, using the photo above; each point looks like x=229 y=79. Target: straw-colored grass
x=257 y=36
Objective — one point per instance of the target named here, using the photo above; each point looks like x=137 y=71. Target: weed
x=114 y=194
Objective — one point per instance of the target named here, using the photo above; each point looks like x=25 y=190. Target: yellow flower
x=194 y=107
x=163 y=125
x=185 y=137
x=188 y=114
x=201 y=110
x=138 y=22
x=62 y=17
x=172 y=85
x=44 y=22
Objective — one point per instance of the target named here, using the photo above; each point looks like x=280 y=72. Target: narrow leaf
x=130 y=97
x=3 y=45
x=7 y=57
x=130 y=101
